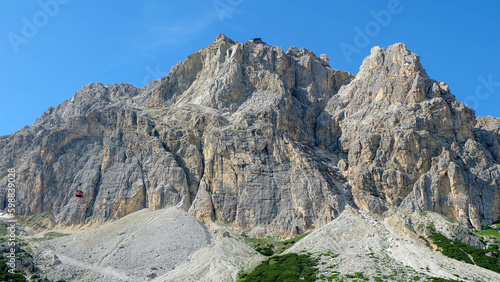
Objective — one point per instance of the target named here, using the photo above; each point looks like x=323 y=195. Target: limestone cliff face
x=226 y=135
x=405 y=141
x=250 y=134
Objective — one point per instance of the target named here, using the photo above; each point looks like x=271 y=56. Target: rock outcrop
x=487 y=132
x=265 y=139
x=406 y=141
x=226 y=135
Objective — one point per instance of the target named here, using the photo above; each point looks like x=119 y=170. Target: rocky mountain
x=263 y=139
x=406 y=141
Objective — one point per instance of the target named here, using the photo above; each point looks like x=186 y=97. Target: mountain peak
x=229 y=75
x=265 y=140
x=396 y=58
x=222 y=38
x=236 y=124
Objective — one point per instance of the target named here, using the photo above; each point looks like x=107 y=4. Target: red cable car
x=79 y=193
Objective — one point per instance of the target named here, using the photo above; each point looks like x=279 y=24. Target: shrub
x=267 y=251
x=269 y=246
x=289 y=267
x=461 y=251
x=358 y=275
x=439 y=279
x=5 y=275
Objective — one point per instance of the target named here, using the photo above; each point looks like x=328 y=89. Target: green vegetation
x=431 y=227
x=289 y=267
x=266 y=250
x=294 y=240
x=358 y=275
x=439 y=279
x=488 y=231
x=335 y=275
x=3 y=229
x=5 y=275
x=38 y=221
x=450 y=249
x=461 y=251
x=261 y=245
x=51 y=235
x=329 y=254
x=23 y=257
x=269 y=245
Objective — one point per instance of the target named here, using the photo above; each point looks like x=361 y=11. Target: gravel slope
x=218 y=262
x=381 y=247
x=171 y=245
x=145 y=243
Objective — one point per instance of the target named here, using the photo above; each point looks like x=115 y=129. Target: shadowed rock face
x=252 y=135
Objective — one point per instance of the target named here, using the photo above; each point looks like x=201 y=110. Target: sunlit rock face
x=264 y=139
x=405 y=141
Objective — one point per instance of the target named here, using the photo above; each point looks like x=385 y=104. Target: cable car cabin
x=79 y=193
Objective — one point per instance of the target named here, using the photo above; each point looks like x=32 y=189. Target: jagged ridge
x=250 y=134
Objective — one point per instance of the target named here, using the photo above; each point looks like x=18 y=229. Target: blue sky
x=49 y=49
